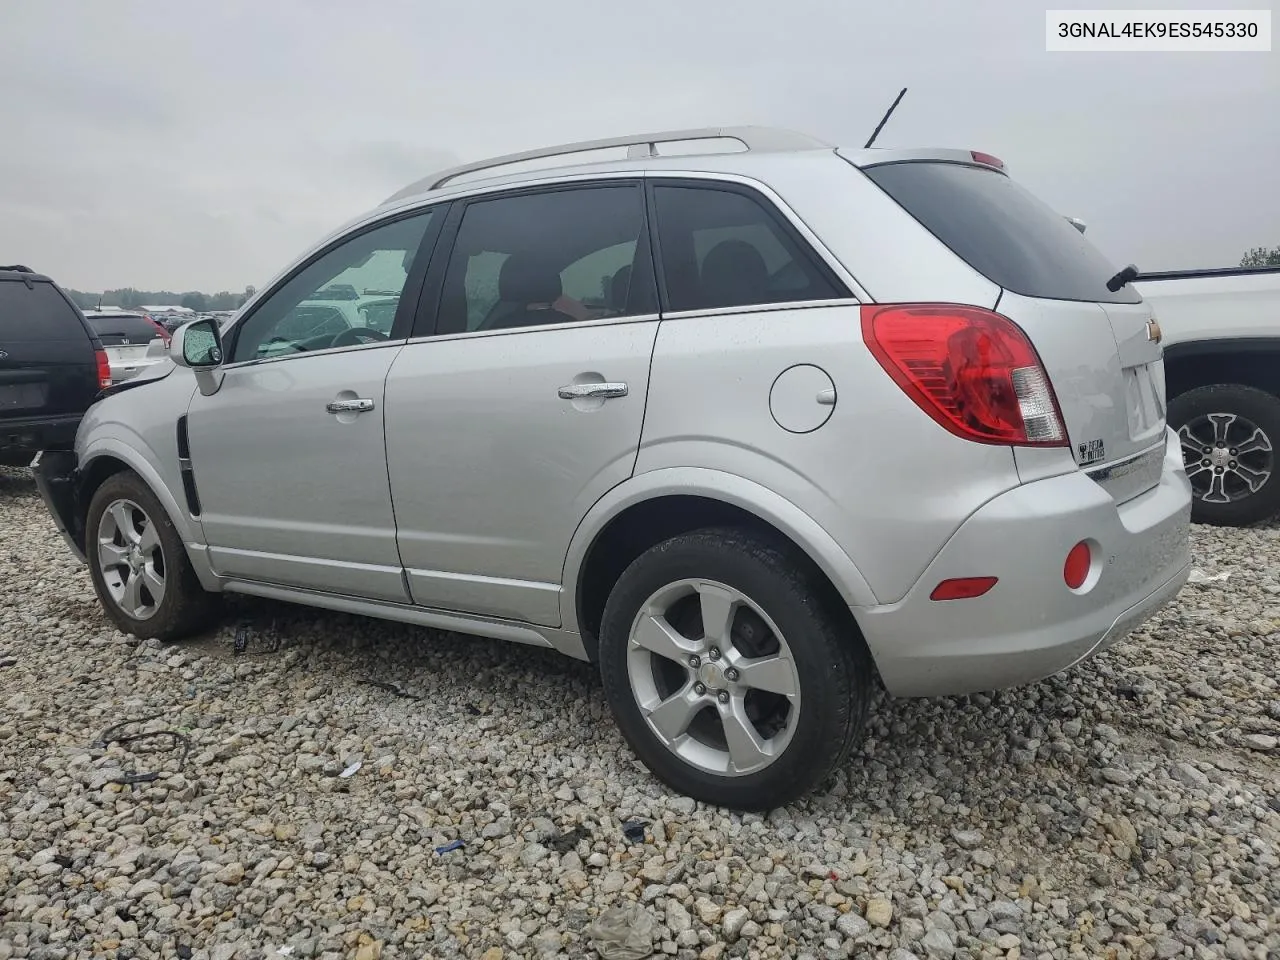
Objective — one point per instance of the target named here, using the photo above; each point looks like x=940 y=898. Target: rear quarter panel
x=880 y=477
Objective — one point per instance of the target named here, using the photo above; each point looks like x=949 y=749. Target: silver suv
x=745 y=418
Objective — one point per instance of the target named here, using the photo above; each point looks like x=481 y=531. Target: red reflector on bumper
x=1076 y=569
x=962 y=588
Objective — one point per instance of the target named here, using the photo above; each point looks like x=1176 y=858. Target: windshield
x=1001 y=230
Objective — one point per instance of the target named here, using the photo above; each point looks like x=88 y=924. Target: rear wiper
x=1123 y=278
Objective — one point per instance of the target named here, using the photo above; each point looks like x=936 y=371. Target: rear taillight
x=104 y=368
x=986 y=159
x=972 y=370
x=162 y=333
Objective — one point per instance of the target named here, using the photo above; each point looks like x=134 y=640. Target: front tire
x=138 y=563
x=728 y=671
x=1230 y=436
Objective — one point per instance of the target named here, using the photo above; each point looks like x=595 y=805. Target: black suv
x=52 y=366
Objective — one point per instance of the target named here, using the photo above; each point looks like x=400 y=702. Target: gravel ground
x=1130 y=808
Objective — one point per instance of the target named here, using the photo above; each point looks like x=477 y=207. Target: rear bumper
x=58 y=481
x=1030 y=625
x=122 y=370
x=20 y=439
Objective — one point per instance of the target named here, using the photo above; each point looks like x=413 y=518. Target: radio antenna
x=885 y=119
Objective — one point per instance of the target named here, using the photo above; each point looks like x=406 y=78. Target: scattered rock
x=734 y=921
x=879 y=912
x=253 y=848
x=852 y=926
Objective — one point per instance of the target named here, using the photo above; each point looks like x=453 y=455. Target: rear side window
x=1001 y=230
x=126 y=326
x=41 y=313
x=550 y=257
x=723 y=248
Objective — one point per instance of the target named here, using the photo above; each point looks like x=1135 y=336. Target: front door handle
x=358 y=405
x=580 y=391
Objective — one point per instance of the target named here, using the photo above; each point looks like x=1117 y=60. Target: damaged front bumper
x=58 y=481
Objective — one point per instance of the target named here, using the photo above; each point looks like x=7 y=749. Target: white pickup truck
x=1221 y=334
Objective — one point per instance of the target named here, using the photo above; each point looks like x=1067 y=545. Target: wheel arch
x=664 y=503
x=108 y=456
x=1247 y=361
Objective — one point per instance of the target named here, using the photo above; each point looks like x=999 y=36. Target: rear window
x=1001 y=230
x=127 y=326
x=39 y=313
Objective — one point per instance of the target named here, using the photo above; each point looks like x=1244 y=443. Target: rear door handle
x=358 y=405
x=579 y=391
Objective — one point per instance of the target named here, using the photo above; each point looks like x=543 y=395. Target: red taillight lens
x=104 y=368
x=986 y=158
x=162 y=333
x=962 y=588
x=972 y=370
x=1076 y=569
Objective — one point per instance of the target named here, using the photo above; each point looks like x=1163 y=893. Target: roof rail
x=760 y=139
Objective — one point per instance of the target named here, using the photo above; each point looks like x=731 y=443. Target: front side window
x=550 y=257
x=723 y=248
x=343 y=298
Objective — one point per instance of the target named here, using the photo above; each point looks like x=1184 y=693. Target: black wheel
x=1230 y=435
x=729 y=673
x=139 y=565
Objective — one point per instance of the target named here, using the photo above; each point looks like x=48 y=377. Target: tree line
x=131 y=298
x=1261 y=257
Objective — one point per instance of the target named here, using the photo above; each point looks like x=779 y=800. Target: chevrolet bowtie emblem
x=1154 y=333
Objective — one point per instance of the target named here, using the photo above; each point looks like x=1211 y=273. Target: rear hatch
x=1098 y=347
x=126 y=337
x=47 y=362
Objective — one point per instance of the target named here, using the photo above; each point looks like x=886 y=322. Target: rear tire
x=139 y=565
x=1230 y=437
x=759 y=712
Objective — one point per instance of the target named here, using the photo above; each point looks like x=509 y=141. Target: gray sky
x=203 y=145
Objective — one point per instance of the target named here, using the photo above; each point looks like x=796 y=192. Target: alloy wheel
x=1228 y=457
x=713 y=677
x=131 y=559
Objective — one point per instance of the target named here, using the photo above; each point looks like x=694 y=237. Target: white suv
x=747 y=426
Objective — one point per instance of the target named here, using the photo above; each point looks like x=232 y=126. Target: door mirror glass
x=197 y=345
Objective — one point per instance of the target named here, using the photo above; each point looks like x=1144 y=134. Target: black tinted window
x=40 y=313
x=1001 y=230
x=724 y=249
x=131 y=327
x=553 y=257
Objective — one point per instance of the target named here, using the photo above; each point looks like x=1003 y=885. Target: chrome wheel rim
x=713 y=677
x=131 y=559
x=1228 y=457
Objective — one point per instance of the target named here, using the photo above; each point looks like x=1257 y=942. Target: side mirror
x=197 y=345
x=1077 y=223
